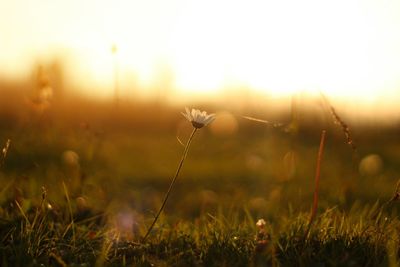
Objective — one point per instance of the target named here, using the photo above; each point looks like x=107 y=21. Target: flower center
x=197 y=125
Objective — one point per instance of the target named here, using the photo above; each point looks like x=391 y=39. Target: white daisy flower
x=198 y=118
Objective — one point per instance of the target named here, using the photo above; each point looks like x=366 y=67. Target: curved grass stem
x=185 y=152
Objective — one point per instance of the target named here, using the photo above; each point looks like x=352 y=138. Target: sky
x=348 y=49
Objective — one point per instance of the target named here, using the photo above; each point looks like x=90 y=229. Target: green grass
x=364 y=237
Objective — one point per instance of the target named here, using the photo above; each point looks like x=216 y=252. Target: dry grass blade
x=180 y=141
x=23 y=213
x=273 y=124
x=70 y=213
x=317 y=179
x=255 y=119
x=58 y=259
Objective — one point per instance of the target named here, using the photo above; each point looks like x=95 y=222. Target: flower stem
x=185 y=152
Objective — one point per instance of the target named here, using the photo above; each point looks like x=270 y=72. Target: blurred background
x=91 y=94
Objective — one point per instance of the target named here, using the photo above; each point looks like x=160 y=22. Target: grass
x=83 y=193
x=360 y=238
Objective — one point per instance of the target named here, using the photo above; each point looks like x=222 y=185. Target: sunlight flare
x=274 y=47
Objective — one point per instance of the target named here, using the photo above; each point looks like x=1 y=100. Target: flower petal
x=193 y=113
x=209 y=120
x=187 y=114
x=187 y=110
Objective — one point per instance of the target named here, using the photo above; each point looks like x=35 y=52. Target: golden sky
x=345 y=48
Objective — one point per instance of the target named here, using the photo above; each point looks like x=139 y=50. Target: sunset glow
x=344 y=48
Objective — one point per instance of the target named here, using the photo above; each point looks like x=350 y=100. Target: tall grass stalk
x=185 y=152
x=72 y=224
x=317 y=179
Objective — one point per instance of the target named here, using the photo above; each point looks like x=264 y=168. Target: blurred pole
x=294 y=121
x=114 y=51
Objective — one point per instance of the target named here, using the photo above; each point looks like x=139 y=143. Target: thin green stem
x=185 y=152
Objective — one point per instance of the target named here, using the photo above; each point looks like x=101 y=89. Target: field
x=82 y=181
